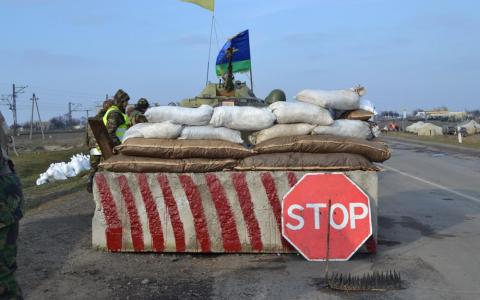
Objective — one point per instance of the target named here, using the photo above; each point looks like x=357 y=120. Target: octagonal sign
x=326 y=204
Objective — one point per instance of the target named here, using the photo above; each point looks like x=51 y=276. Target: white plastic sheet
x=61 y=171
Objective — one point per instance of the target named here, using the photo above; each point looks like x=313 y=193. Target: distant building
x=442 y=114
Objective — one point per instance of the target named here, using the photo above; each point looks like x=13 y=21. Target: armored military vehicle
x=233 y=58
x=216 y=94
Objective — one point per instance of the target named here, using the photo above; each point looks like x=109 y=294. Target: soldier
x=11 y=211
x=115 y=118
x=95 y=154
x=138 y=113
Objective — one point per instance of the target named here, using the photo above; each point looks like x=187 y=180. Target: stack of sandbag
x=177 y=140
x=307 y=152
x=347 y=109
x=322 y=130
x=203 y=123
x=301 y=135
x=175 y=156
x=316 y=153
x=293 y=119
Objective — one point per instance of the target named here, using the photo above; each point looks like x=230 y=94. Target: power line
x=72 y=107
x=58 y=91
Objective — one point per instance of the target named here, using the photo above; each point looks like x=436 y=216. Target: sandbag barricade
x=306 y=161
x=178 y=149
x=374 y=151
x=139 y=164
x=209 y=213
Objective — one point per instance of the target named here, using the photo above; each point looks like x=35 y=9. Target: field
x=36 y=155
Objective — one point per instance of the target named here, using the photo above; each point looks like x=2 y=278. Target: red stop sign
x=306 y=214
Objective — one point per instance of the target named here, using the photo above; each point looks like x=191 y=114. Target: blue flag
x=241 y=54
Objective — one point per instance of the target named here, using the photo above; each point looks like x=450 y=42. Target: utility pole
x=14 y=110
x=39 y=119
x=15 y=91
x=70 y=114
x=74 y=107
x=35 y=104
x=31 y=116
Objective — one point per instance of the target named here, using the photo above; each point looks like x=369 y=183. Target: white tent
x=414 y=127
x=471 y=126
x=429 y=129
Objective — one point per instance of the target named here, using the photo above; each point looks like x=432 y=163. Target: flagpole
x=210 y=46
x=251 y=78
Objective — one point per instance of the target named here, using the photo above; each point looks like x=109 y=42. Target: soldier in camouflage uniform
x=95 y=154
x=138 y=113
x=115 y=118
x=11 y=211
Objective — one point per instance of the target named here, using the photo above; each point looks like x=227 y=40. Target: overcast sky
x=409 y=54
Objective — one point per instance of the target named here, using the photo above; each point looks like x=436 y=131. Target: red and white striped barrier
x=211 y=212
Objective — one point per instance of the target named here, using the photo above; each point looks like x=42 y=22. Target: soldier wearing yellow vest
x=115 y=119
x=95 y=153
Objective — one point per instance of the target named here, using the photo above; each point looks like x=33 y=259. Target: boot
x=90 y=183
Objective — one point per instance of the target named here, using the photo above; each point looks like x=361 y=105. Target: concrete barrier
x=220 y=212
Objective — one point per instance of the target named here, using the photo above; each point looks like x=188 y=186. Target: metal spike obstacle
x=375 y=281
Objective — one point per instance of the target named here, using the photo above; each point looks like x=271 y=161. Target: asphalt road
x=429 y=229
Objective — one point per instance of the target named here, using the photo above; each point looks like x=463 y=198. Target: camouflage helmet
x=107 y=103
x=275 y=96
x=120 y=96
x=142 y=103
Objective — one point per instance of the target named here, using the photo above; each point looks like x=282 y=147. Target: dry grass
x=472 y=141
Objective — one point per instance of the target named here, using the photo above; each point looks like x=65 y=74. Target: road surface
x=429 y=229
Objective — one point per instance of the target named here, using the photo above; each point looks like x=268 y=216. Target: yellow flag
x=207 y=4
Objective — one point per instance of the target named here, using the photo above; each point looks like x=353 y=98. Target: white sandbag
x=281 y=130
x=211 y=133
x=180 y=115
x=346 y=128
x=338 y=99
x=134 y=131
x=368 y=106
x=300 y=112
x=242 y=117
x=165 y=130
